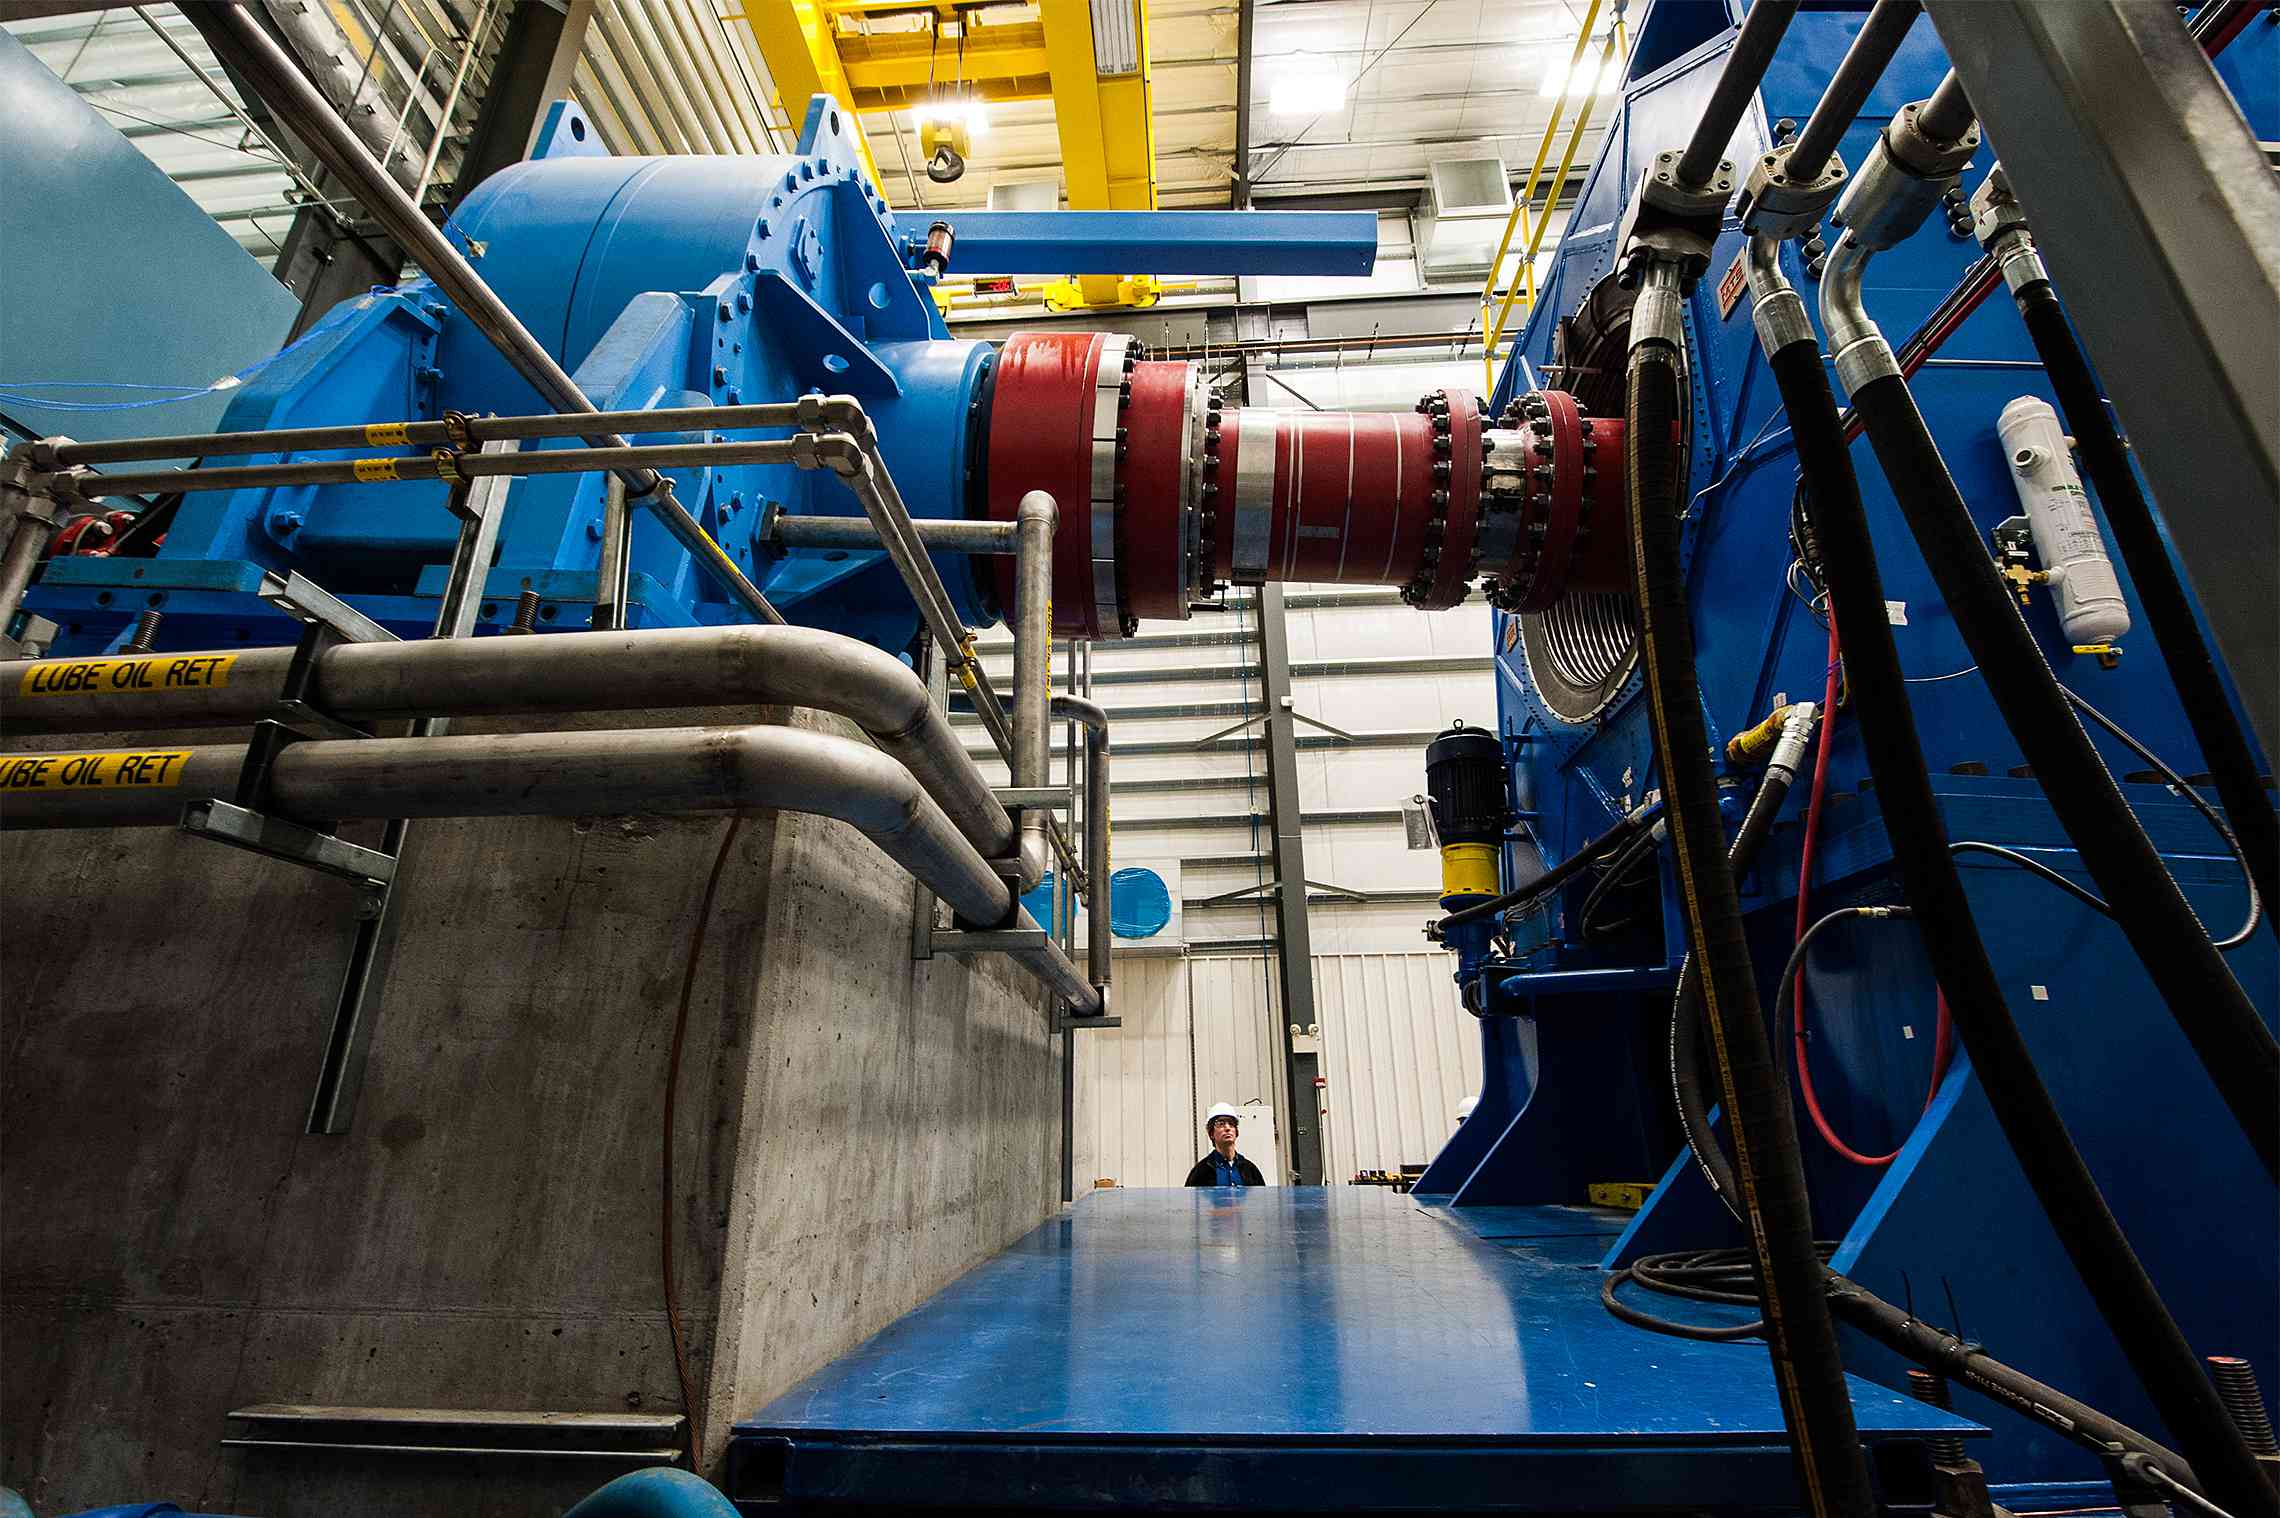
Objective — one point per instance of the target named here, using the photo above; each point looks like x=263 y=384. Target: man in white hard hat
x=1465 y=1109
x=1223 y=1166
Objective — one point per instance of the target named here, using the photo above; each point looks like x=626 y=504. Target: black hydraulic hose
x=1738 y=81
x=1801 y=1338
x=2168 y=610
x=1864 y=63
x=1972 y=1367
x=2094 y=1242
x=1722 y=1276
x=1555 y=877
x=1688 y=1088
x=2216 y=1016
x=1622 y=868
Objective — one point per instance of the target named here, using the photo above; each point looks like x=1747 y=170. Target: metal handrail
x=1525 y=276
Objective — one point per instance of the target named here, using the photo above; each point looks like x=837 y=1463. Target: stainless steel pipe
x=509 y=677
x=1746 y=63
x=31 y=520
x=64 y=453
x=1034 y=520
x=940 y=535
x=236 y=36
x=1099 y=935
x=693 y=769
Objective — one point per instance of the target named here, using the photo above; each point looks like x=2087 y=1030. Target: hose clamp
x=1658 y=315
x=446 y=464
x=458 y=427
x=1863 y=361
x=2021 y=262
x=1780 y=319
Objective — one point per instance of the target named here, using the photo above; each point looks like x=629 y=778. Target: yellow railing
x=1524 y=278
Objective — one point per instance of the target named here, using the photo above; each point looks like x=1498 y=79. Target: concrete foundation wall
x=853 y=1131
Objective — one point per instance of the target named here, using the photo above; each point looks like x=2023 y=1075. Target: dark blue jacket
x=1206 y=1171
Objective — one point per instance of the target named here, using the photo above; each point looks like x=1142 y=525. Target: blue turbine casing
x=1576 y=1086
x=656 y=282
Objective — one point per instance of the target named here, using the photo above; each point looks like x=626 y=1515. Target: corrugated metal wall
x=1398 y=1052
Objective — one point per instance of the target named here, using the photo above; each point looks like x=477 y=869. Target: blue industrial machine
x=663 y=283
x=1575 y=994
x=670 y=283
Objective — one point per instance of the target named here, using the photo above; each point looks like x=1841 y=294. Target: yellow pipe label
x=143 y=769
x=388 y=434
x=67 y=677
x=1468 y=869
x=371 y=471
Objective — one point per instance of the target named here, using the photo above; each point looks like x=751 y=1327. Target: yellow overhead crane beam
x=796 y=43
x=1101 y=105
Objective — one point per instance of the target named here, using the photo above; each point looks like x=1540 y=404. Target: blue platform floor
x=1290 y=1349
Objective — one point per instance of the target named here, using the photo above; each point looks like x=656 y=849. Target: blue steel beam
x=1170 y=242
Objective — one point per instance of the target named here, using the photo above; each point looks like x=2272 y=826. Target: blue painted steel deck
x=1287 y=1348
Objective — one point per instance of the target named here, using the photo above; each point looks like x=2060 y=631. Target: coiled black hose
x=1688 y=1088
x=2110 y=1270
x=1723 y=1276
x=2235 y=1047
x=2168 y=611
x=1800 y=1336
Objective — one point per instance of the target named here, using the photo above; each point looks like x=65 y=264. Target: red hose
x=1943 y=1036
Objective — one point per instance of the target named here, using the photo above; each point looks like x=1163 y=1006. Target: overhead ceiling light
x=1116 y=37
x=1556 y=74
x=1307 y=90
x=966 y=112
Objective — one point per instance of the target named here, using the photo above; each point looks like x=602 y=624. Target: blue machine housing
x=1576 y=1087
x=656 y=282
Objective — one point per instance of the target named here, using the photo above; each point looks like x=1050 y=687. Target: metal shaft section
x=1948 y=113
x=1864 y=64
x=509 y=677
x=1737 y=85
x=938 y=535
x=1188 y=495
x=696 y=769
x=234 y=32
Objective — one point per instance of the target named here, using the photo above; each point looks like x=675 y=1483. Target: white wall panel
x=1398 y=1052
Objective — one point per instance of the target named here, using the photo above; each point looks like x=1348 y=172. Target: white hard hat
x=1218 y=1111
x=1465 y=1107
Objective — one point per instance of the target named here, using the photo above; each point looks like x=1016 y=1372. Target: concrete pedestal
x=854 y=1130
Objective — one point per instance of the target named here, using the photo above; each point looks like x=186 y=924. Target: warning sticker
x=144 y=769
x=371 y=471
x=388 y=434
x=1730 y=288
x=64 y=677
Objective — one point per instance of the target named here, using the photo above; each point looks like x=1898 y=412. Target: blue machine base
x=1310 y=1349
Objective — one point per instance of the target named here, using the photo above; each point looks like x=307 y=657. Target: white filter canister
x=2082 y=582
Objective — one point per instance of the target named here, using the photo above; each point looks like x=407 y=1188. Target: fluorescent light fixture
x=1116 y=37
x=955 y=110
x=1556 y=74
x=1308 y=89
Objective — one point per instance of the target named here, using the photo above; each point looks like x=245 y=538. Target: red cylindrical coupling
x=1553 y=517
x=1056 y=417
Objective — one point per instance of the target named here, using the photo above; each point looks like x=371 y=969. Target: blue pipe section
x=660 y=1493
x=1165 y=242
